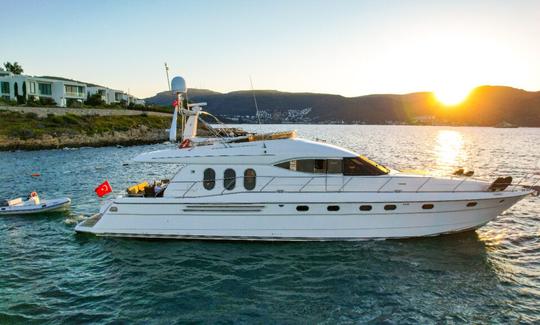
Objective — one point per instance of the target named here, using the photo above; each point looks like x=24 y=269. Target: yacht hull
x=395 y=216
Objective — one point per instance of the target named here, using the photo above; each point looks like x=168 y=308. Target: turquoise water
x=48 y=274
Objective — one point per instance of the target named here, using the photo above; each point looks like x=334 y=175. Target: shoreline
x=29 y=131
x=134 y=137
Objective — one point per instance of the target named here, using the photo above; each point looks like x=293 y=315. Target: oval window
x=365 y=208
x=390 y=207
x=471 y=204
x=427 y=206
x=250 y=179
x=229 y=179
x=332 y=208
x=302 y=208
x=209 y=178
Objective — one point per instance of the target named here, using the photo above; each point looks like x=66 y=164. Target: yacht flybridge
x=280 y=187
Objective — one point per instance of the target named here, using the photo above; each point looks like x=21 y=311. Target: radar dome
x=178 y=85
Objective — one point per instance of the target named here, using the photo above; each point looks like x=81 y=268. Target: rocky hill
x=485 y=106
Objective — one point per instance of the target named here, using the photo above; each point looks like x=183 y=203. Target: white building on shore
x=60 y=90
x=113 y=96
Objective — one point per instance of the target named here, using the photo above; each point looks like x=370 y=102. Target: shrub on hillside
x=73 y=103
x=95 y=100
x=7 y=102
x=46 y=101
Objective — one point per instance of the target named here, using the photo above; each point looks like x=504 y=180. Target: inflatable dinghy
x=33 y=205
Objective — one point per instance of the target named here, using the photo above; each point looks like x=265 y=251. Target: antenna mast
x=255 y=100
x=167 y=73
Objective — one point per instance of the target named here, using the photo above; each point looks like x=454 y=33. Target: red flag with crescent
x=175 y=103
x=103 y=189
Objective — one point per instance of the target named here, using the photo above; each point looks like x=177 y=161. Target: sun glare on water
x=452 y=96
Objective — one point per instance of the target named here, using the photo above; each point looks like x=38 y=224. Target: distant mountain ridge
x=485 y=106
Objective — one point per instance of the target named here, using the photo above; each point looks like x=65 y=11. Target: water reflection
x=449 y=150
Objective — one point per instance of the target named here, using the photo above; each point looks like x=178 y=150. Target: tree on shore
x=14 y=67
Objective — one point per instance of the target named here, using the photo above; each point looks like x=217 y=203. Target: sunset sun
x=452 y=96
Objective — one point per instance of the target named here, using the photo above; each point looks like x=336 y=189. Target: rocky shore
x=53 y=128
x=136 y=136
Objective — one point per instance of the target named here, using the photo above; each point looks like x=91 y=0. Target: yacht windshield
x=362 y=166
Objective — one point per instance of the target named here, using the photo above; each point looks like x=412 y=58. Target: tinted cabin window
x=305 y=165
x=334 y=166
x=333 y=208
x=427 y=206
x=318 y=166
x=209 y=178
x=302 y=208
x=390 y=207
x=249 y=179
x=229 y=179
x=360 y=166
x=471 y=204
x=365 y=208
x=286 y=165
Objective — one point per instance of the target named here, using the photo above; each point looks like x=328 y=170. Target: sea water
x=49 y=274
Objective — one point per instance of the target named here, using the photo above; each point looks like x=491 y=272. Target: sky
x=350 y=48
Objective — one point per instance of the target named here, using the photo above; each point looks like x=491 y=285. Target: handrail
x=189 y=188
x=309 y=179
x=457 y=186
x=347 y=182
x=265 y=185
x=388 y=181
x=424 y=183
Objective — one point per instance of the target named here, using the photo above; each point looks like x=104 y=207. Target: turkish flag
x=175 y=103
x=103 y=189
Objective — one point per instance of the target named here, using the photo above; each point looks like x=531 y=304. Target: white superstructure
x=279 y=187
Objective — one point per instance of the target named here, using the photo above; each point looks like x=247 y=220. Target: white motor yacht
x=281 y=187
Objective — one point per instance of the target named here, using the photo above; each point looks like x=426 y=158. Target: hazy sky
x=345 y=47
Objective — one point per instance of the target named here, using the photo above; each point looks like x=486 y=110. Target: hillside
x=486 y=106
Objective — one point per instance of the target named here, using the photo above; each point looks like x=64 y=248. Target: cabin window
x=332 y=208
x=250 y=179
x=209 y=179
x=302 y=208
x=361 y=166
x=366 y=208
x=334 y=166
x=229 y=179
x=285 y=165
x=471 y=204
x=390 y=207
x=427 y=206
x=305 y=165
x=317 y=166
